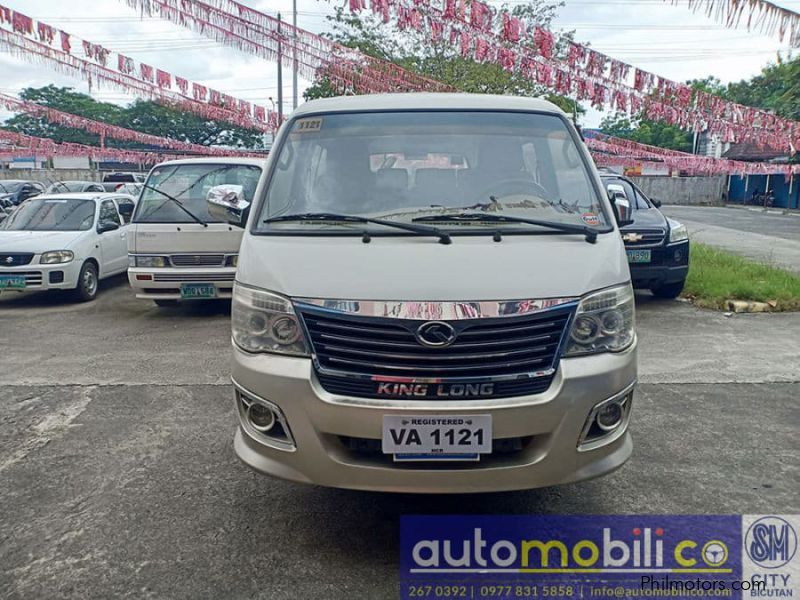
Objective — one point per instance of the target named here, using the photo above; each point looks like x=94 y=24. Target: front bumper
x=165 y=283
x=40 y=277
x=550 y=424
x=670 y=264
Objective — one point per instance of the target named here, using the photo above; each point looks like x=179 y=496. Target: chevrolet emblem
x=632 y=237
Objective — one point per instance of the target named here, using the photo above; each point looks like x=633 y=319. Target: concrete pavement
x=766 y=237
x=117 y=476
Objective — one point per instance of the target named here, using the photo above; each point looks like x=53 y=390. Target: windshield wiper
x=590 y=233
x=176 y=201
x=444 y=237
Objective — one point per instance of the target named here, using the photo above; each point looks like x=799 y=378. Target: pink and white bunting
x=106 y=130
x=95 y=65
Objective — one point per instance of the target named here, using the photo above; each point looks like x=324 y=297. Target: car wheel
x=669 y=290
x=165 y=303
x=87 y=283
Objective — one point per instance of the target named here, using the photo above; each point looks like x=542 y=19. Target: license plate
x=12 y=282
x=639 y=256
x=191 y=291
x=435 y=437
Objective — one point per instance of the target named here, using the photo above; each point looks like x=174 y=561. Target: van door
x=114 y=243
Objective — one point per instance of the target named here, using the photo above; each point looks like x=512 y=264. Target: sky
x=654 y=35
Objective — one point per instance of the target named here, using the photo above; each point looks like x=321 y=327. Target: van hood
x=37 y=241
x=421 y=269
x=177 y=238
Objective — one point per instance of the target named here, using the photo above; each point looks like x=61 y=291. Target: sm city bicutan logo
x=770 y=542
x=638 y=550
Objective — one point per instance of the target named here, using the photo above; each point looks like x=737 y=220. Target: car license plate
x=191 y=291
x=437 y=437
x=12 y=282
x=639 y=256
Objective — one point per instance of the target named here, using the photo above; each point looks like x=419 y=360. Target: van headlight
x=265 y=322
x=56 y=257
x=604 y=322
x=148 y=261
x=677 y=231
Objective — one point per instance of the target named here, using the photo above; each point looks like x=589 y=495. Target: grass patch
x=716 y=276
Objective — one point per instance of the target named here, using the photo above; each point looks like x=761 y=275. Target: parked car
x=178 y=251
x=64 y=242
x=123 y=178
x=71 y=187
x=657 y=246
x=17 y=190
x=132 y=189
x=417 y=308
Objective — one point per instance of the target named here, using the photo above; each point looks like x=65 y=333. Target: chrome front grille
x=15 y=259
x=353 y=352
x=643 y=238
x=198 y=260
x=193 y=277
x=32 y=278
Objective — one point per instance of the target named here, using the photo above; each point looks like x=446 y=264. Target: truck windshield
x=416 y=166
x=189 y=184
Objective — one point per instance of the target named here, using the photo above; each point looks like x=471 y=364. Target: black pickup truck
x=657 y=247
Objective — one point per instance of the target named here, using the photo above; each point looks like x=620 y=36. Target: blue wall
x=777 y=184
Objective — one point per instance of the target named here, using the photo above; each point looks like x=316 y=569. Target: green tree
x=414 y=51
x=654 y=133
x=145 y=116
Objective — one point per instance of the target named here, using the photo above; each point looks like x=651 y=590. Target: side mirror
x=126 y=211
x=622 y=208
x=107 y=226
x=227 y=203
x=656 y=203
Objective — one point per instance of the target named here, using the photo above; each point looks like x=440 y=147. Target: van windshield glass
x=190 y=184
x=405 y=166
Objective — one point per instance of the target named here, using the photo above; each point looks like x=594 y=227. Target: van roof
x=219 y=160
x=425 y=101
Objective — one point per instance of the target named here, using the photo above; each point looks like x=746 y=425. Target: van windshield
x=189 y=184
x=409 y=166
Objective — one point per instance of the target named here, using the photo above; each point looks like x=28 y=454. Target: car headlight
x=604 y=322
x=56 y=257
x=147 y=261
x=265 y=322
x=677 y=231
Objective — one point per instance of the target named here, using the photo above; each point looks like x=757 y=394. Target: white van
x=432 y=296
x=176 y=249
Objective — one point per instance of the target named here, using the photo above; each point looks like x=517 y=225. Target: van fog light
x=609 y=417
x=607 y=421
x=261 y=417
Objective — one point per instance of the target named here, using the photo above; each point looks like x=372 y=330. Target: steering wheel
x=511 y=187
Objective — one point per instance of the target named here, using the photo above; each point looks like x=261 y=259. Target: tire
x=166 y=303
x=88 y=283
x=669 y=290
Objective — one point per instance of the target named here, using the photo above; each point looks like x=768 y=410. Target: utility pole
x=280 y=72
x=294 y=55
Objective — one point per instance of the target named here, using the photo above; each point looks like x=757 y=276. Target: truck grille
x=197 y=260
x=649 y=237
x=355 y=352
x=193 y=277
x=15 y=259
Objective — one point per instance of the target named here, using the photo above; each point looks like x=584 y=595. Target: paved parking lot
x=117 y=476
x=768 y=237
